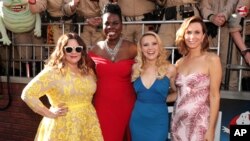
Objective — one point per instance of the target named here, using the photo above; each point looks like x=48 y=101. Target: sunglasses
x=69 y=49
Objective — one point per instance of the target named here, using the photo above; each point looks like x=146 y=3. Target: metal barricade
x=31 y=63
x=241 y=67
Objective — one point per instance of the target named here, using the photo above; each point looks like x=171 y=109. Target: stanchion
x=229 y=60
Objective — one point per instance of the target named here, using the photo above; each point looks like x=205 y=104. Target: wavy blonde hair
x=57 y=58
x=161 y=63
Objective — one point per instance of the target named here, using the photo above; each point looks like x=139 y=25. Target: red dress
x=115 y=96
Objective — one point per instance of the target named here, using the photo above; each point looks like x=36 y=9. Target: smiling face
x=73 y=57
x=112 y=26
x=16 y=5
x=150 y=47
x=194 y=36
x=18 y=17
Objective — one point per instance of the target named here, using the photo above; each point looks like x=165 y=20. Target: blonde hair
x=57 y=58
x=161 y=63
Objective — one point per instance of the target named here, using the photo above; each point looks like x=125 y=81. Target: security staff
x=219 y=12
x=90 y=11
x=136 y=10
x=59 y=11
x=175 y=10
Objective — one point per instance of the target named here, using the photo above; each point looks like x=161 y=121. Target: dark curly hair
x=113 y=8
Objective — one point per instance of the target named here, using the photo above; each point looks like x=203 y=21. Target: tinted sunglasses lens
x=78 y=49
x=68 y=49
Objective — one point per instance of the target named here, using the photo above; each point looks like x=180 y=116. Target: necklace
x=113 y=52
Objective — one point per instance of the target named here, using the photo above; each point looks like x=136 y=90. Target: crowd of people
x=114 y=84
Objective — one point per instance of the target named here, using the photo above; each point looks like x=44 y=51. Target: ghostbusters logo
x=243 y=11
x=242 y=119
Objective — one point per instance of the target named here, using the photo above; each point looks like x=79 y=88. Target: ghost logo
x=242 y=10
x=242 y=119
x=239 y=127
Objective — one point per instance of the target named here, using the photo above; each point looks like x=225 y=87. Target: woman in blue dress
x=153 y=78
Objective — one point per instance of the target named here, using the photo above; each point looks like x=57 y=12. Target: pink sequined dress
x=191 y=111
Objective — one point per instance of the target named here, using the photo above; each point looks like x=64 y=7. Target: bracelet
x=244 y=52
x=32 y=2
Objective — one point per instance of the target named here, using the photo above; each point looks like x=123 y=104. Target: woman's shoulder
x=97 y=48
x=171 y=71
x=130 y=48
x=129 y=44
x=179 y=61
x=47 y=72
x=211 y=56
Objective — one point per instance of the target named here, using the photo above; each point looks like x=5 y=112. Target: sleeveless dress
x=81 y=122
x=115 y=96
x=149 y=120
x=191 y=111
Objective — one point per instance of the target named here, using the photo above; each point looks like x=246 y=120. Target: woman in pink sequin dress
x=198 y=85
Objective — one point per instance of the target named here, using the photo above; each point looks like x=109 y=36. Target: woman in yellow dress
x=69 y=84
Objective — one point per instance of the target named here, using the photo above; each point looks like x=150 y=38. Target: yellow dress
x=81 y=122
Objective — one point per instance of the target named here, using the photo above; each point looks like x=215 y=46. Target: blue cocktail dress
x=149 y=120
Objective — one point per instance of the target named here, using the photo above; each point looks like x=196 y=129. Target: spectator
x=235 y=27
x=218 y=12
x=90 y=12
x=136 y=10
x=175 y=10
x=59 y=12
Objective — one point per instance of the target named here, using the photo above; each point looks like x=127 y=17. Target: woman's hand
x=209 y=136
x=60 y=110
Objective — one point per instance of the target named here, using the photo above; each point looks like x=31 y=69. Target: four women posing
x=194 y=83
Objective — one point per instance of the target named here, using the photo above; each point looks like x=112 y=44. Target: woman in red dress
x=113 y=57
